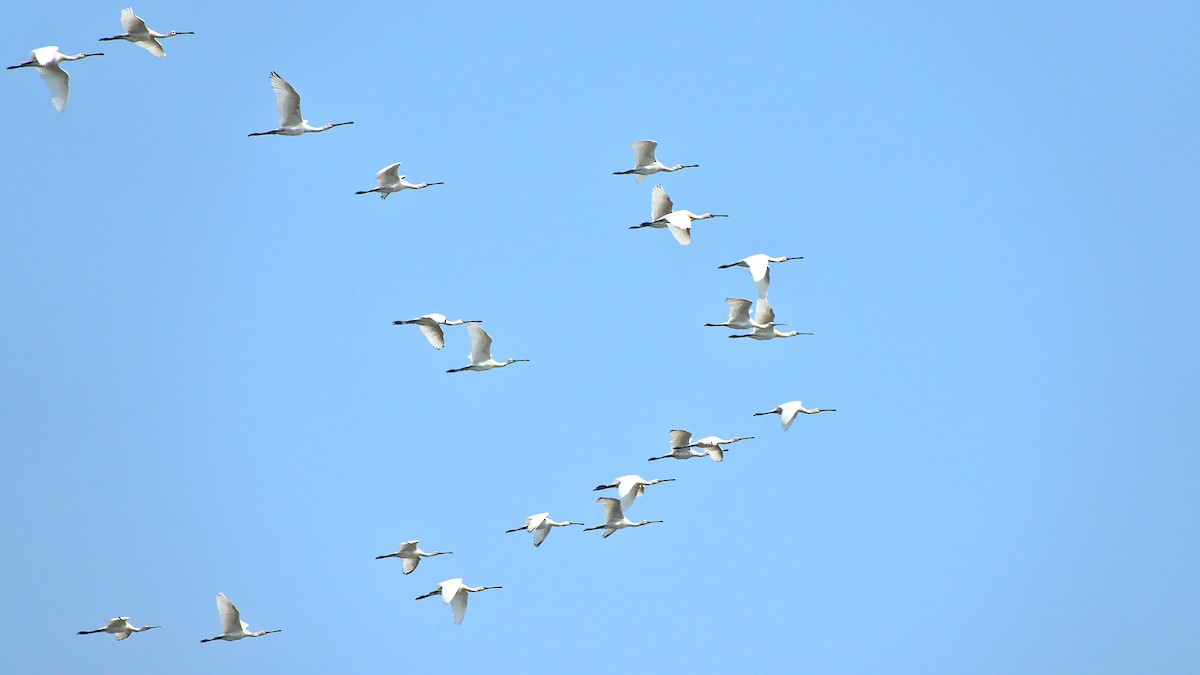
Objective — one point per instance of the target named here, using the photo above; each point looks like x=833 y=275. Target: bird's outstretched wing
x=231 y=620
x=287 y=101
x=433 y=334
x=539 y=535
x=660 y=203
x=789 y=414
x=680 y=438
x=680 y=227
x=739 y=310
x=481 y=344
x=459 y=606
x=388 y=175
x=763 y=314
x=643 y=152
x=612 y=509
x=60 y=86
x=132 y=23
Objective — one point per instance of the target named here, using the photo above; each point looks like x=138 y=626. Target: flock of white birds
x=48 y=62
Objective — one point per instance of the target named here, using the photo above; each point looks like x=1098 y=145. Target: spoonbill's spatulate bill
x=48 y=62
x=410 y=555
x=614 y=518
x=788 y=411
x=760 y=269
x=678 y=223
x=291 y=122
x=481 y=353
x=431 y=327
x=120 y=627
x=454 y=593
x=645 y=164
x=137 y=33
x=390 y=181
x=539 y=524
x=232 y=626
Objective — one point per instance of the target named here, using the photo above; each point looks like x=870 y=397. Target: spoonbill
x=48 y=62
x=410 y=555
x=678 y=223
x=645 y=164
x=232 y=626
x=614 y=518
x=739 y=316
x=764 y=316
x=120 y=627
x=137 y=33
x=390 y=181
x=481 y=352
x=291 y=122
x=787 y=412
x=760 y=269
x=454 y=593
x=679 y=446
x=630 y=487
x=431 y=327
x=539 y=524
x=712 y=445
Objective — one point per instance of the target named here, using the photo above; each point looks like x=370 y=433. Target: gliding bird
x=678 y=223
x=760 y=270
x=410 y=555
x=679 y=447
x=788 y=411
x=454 y=593
x=431 y=326
x=481 y=352
x=120 y=627
x=390 y=181
x=614 y=518
x=137 y=33
x=539 y=524
x=644 y=162
x=739 y=316
x=232 y=626
x=764 y=316
x=630 y=487
x=291 y=122
x=712 y=445
x=48 y=62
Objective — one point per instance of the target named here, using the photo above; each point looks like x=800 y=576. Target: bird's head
x=180 y=32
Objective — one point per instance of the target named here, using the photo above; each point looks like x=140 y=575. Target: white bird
x=454 y=593
x=431 y=327
x=760 y=269
x=539 y=524
x=739 y=316
x=614 y=518
x=712 y=445
x=630 y=487
x=481 y=352
x=410 y=555
x=232 y=626
x=137 y=33
x=644 y=162
x=291 y=122
x=390 y=181
x=120 y=627
x=678 y=223
x=787 y=412
x=47 y=60
x=764 y=316
x=679 y=447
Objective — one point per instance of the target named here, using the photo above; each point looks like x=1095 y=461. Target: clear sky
x=202 y=389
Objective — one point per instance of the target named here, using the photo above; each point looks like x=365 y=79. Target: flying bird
x=678 y=223
x=630 y=487
x=712 y=445
x=788 y=411
x=410 y=555
x=645 y=164
x=539 y=524
x=481 y=352
x=390 y=181
x=431 y=327
x=120 y=627
x=454 y=593
x=137 y=33
x=680 y=449
x=614 y=518
x=48 y=62
x=760 y=269
x=764 y=316
x=232 y=626
x=291 y=122
x=739 y=316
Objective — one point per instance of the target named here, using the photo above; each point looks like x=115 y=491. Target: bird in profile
x=678 y=223
x=712 y=445
x=539 y=524
x=788 y=411
x=291 y=122
x=431 y=327
x=232 y=626
x=454 y=593
x=48 y=62
x=481 y=353
x=410 y=555
x=764 y=316
x=137 y=33
x=739 y=316
x=614 y=518
x=390 y=181
x=630 y=487
x=679 y=447
x=645 y=164
x=760 y=269
x=120 y=627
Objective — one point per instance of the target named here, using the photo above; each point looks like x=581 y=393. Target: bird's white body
x=614 y=518
x=539 y=524
x=232 y=626
x=680 y=442
x=48 y=62
x=137 y=33
x=410 y=555
x=788 y=411
x=431 y=327
x=739 y=316
x=678 y=223
x=646 y=164
x=120 y=627
x=630 y=487
x=712 y=445
x=390 y=181
x=287 y=104
x=759 y=266
x=481 y=352
x=454 y=593
x=764 y=318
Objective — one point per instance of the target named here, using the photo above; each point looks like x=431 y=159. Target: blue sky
x=997 y=207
